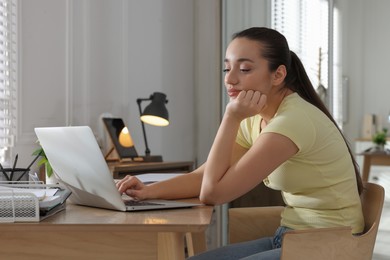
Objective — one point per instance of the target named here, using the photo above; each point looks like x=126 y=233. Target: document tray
x=18 y=207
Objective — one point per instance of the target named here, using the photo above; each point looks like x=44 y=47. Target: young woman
x=275 y=129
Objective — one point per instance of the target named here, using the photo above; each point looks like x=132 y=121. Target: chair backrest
x=339 y=243
x=372 y=203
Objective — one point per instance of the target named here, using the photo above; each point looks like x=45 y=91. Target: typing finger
x=130 y=183
x=120 y=182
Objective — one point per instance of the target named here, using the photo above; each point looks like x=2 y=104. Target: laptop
x=79 y=164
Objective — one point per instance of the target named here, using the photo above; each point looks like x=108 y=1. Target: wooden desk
x=88 y=233
x=374 y=158
x=120 y=170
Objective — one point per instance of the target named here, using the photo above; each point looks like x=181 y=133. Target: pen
x=13 y=167
x=3 y=171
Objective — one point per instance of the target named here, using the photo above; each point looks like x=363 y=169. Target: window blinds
x=7 y=76
x=305 y=25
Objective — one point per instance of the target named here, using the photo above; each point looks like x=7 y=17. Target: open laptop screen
x=120 y=137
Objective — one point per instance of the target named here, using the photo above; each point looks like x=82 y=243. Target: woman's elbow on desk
x=210 y=197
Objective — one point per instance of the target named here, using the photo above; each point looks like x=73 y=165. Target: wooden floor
x=382 y=244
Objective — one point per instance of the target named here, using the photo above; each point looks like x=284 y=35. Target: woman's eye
x=242 y=70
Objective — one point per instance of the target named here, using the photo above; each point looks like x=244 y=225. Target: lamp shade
x=156 y=113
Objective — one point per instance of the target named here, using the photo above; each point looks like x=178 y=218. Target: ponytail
x=298 y=81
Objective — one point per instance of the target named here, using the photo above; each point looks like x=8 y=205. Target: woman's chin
x=233 y=96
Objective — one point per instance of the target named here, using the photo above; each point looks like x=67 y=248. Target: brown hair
x=276 y=51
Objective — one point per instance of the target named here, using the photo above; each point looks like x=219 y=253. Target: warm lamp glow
x=125 y=139
x=154 y=120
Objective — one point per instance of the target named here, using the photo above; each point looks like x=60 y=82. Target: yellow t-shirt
x=318 y=183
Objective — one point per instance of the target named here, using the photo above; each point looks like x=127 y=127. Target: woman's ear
x=279 y=75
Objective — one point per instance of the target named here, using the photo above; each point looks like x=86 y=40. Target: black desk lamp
x=154 y=114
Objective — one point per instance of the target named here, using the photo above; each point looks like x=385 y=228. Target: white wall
x=79 y=59
x=366 y=38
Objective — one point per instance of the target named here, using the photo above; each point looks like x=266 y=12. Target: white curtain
x=8 y=95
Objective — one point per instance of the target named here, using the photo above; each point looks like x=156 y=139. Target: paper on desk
x=39 y=193
x=49 y=201
x=155 y=177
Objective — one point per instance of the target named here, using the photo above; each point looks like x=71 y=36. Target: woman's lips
x=233 y=92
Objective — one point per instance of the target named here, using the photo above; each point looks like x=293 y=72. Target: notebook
x=79 y=165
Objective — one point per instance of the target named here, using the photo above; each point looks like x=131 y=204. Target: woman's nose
x=231 y=78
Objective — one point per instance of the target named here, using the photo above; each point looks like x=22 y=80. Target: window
x=305 y=24
x=7 y=77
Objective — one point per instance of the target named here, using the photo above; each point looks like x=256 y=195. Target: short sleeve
x=296 y=125
x=244 y=134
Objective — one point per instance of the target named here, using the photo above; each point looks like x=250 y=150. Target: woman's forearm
x=183 y=186
x=221 y=174
x=219 y=160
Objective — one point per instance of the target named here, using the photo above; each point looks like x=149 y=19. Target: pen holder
x=11 y=175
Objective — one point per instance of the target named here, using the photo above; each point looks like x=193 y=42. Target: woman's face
x=245 y=69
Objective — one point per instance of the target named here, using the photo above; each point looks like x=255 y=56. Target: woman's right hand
x=133 y=187
x=246 y=104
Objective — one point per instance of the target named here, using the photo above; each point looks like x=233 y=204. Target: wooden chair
x=322 y=243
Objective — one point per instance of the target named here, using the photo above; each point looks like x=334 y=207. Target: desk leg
x=190 y=244
x=170 y=246
x=366 y=168
x=196 y=243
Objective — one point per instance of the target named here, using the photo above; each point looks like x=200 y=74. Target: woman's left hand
x=246 y=104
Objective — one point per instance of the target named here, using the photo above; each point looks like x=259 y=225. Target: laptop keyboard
x=139 y=203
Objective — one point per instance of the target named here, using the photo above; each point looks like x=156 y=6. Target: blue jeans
x=268 y=248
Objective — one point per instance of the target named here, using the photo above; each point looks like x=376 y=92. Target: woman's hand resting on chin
x=246 y=104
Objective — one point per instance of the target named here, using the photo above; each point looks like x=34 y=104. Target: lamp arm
x=147 y=150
